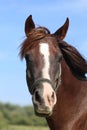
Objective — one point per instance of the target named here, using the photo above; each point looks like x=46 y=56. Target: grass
x=15 y=127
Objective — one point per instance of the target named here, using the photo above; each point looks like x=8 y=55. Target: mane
x=34 y=35
x=75 y=61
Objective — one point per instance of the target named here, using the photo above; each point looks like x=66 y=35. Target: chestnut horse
x=56 y=77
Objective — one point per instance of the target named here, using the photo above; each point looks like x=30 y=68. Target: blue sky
x=49 y=13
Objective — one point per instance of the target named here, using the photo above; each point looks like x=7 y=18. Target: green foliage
x=16 y=127
x=16 y=115
x=3 y=121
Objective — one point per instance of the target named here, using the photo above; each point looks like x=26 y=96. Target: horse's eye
x=59 y=57
x=27 y=58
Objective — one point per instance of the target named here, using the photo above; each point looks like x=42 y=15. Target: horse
x=55 y=76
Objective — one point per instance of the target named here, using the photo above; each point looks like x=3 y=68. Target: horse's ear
x=29 y=25
x=61 y=32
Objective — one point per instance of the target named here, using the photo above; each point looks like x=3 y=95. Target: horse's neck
x=68 y=102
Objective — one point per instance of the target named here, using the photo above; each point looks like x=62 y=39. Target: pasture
x=16 y=127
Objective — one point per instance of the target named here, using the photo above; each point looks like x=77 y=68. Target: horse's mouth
x=42 y=111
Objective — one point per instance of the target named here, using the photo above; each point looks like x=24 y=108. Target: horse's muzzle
x=44 y=99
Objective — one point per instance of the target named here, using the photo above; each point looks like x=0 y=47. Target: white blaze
x=44 y=49
x=47 y=88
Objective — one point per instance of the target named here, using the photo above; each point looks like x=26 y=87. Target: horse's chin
x=43 y=114
x=42 y=111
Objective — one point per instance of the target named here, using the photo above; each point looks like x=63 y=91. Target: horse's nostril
x=51 y=98
x=52 y=95
x=37 y=96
